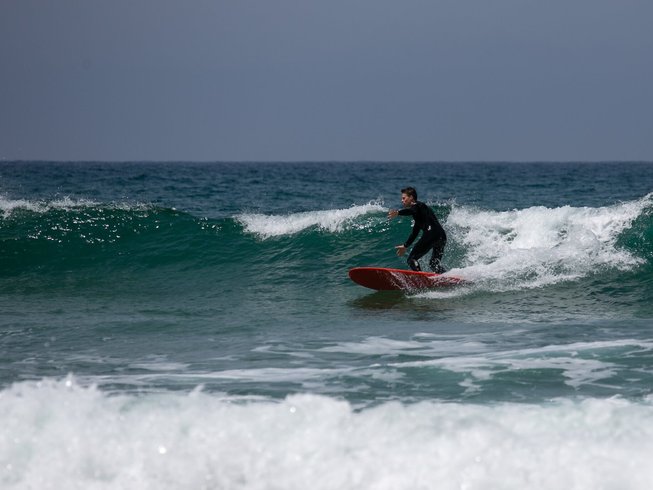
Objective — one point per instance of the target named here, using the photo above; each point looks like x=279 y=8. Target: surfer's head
x=408 y=196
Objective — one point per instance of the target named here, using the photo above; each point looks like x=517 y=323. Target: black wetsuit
x=433 y=236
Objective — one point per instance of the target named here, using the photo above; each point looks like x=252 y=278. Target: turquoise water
x=210 y=302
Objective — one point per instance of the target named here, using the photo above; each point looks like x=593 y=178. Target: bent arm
x=413 y=235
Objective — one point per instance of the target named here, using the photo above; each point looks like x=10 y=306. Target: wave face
x=75 y=235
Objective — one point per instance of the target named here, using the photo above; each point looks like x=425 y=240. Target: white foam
x=537 y=246
x=159 y=366
x=386 y=346
x=568 y=358
x=304 y=376
x=333 y=220
x=64 y=436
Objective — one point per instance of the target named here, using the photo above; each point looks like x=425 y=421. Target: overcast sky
x=426 y=80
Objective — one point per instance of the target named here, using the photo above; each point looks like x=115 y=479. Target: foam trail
x=332 y=220
x=66 y=436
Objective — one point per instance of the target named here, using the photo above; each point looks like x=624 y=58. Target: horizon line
x=516 y=162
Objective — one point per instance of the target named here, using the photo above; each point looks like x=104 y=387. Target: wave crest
x=10 y=206
x=332 y=220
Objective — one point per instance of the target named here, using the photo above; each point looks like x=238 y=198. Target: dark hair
x=410 y=191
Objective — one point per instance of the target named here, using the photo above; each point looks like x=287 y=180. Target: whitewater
x=66 y=436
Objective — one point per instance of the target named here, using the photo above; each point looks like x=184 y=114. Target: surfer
x=433 y=235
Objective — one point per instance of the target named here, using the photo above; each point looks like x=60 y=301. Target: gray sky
x=326 y=80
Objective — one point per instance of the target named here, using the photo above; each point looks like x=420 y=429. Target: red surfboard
x=383 y=279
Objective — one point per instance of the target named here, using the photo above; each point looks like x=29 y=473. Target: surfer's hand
x=401 y=250
x=393 y=213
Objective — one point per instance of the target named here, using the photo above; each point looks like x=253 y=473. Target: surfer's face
x=407 y=200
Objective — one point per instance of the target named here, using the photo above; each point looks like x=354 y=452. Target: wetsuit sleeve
x=413 y=235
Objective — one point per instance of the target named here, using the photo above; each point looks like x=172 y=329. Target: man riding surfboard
x=433 y=236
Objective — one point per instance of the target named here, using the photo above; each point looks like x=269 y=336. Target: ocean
x=192 y=325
